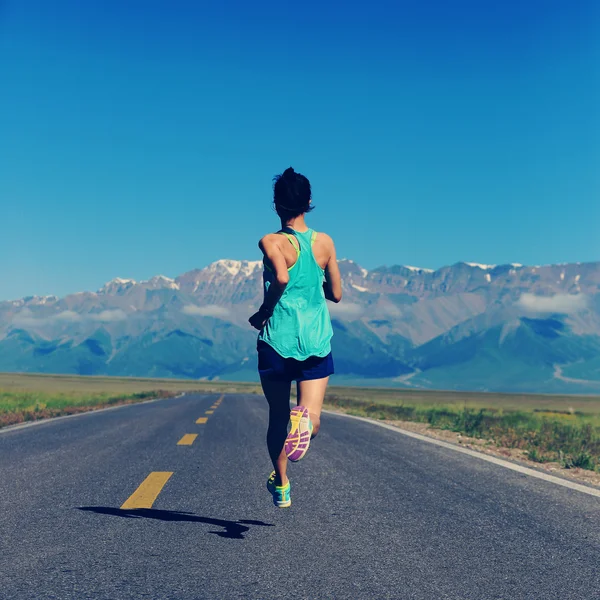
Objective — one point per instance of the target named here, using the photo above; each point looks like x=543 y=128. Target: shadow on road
x=232 y=529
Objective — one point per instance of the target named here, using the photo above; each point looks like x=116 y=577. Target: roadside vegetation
x=18 y=407
x=31 y=397
x=547 y=428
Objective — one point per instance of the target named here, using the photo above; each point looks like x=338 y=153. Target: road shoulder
x=579 y=479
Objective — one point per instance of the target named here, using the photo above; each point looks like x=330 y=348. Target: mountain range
x=464 y=327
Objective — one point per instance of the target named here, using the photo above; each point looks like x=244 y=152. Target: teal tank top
x=300 y=326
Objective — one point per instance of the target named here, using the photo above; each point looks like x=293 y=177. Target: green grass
x=547 y=428
x=31 y=397
x=474 y=400
x=16 y=407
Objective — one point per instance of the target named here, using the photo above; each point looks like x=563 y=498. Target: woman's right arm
x=333 y=280
x=272 y=251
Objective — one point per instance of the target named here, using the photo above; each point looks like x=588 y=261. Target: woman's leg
x=311 y=394
x=277 y=394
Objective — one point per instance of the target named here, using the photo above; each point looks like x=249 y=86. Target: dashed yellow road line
x=148 y=490
x=201 y=420
x=187 y=439
x=214 y=407
x=209 y=412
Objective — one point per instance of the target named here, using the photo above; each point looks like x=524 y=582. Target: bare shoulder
x=325 y=238
x=269 y=240
x=323 y=249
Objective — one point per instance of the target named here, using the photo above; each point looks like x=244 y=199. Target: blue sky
x=140 y=138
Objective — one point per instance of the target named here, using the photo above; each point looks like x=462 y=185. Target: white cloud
x=26 y=318
x=66 y=315
x=110 y=316
x=559 y=303
x=210 y=310
x=386 y=310
x=349 y=311
x=346 y=310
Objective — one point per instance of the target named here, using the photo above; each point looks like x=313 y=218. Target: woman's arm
x=333 y=280
x=272 y=251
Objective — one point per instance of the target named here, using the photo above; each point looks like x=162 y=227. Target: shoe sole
x=298 y=439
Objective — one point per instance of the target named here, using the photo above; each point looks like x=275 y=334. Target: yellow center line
x=209 y=412
x=201 y=420
x=148 y=491
x=187 y=439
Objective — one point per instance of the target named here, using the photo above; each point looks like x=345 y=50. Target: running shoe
x=280 y=493
x=298 y=439
x=281 y=496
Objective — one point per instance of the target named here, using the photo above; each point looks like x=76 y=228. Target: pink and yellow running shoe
x=298 y=439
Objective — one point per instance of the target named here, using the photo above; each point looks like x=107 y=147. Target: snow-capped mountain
x=469 y=325
x=117 y=286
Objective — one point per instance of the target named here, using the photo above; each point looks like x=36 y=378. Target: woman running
x=294 y=343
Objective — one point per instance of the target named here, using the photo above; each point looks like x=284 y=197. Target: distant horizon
x=121 y=279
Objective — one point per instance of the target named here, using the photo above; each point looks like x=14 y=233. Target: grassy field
x=564 y=429
x=31 y=397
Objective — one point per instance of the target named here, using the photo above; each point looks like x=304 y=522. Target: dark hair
x=291 y=194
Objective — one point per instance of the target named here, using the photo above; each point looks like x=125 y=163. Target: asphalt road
x=374 y=514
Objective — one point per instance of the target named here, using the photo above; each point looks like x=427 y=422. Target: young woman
x=294 y=344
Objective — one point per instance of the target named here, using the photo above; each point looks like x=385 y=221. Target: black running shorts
x=273 y=366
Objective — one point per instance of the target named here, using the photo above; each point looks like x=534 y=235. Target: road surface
x=375 y=514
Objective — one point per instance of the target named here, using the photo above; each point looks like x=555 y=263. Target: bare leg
x=277 y=394
x=311 y=394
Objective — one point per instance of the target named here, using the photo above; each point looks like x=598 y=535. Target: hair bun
x=291 y=194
